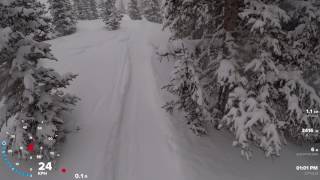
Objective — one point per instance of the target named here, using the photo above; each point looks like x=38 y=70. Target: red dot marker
x=30 y=147
x=63 y=170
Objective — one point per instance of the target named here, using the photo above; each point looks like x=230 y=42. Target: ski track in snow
x=107 y=158
x=123 y=133
x=151 y=131
x=133 y=144
x=137 y=148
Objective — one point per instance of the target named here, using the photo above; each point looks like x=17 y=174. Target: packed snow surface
x=124 y=133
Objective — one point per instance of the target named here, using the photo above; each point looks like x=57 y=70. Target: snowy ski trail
x=141 y=149
x=123 y=131
x=127 y=131
x=129 y=135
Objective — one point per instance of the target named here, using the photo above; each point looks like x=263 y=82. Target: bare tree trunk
x=231 y=10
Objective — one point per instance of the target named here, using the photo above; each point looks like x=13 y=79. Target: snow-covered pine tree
x=185 y=25
x=79 y=9
x=32 y=99
x=63 y=17
x=93 y=10
x=122 y=8
x=304 y=43
x=152 y=11
x=111 y=16
x=133 y=10
x=35 y=24
x=100 y=8
x=76 y=8
x=185 y=84
x=275 y=72
x=251 y=56
x=83 y=9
